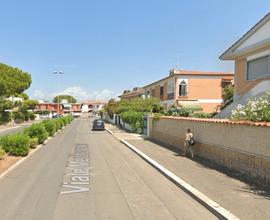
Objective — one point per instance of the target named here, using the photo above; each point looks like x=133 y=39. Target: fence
x=241 y=146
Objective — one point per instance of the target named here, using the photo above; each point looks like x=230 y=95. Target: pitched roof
x=93 y=102
x=132 y=93
x=221 y=121
x=195 y=73
x=207 y=73
x=256 y=27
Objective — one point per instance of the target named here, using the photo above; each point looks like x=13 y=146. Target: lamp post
x=58 y=102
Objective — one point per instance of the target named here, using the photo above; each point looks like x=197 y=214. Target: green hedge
x=135 y=119
x=16 y=144
x=37 y=130
x=20 y=144
x=201 y=115
x=2 y=152
x=33 y=142
x=50 y=127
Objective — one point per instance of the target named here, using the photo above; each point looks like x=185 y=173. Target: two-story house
x=135 y=93
x=251 y=54
x=191 y=89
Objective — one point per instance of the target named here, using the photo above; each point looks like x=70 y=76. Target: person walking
x=189 y=142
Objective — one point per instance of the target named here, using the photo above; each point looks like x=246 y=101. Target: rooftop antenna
x=177 y=62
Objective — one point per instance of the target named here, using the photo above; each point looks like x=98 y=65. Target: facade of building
x=92 y=105
x=191 y=88
x=251 y=54
x=62 y=108
x=135 y=93
x=86 y=106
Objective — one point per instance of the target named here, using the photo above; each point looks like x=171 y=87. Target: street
x=83 y=174
x=14 y=129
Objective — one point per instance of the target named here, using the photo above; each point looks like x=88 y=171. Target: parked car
x=76 y=114
x=44 y=116
x=57 y=116
x=98 y=124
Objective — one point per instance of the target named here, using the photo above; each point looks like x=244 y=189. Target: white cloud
x=75 y=91
x=38 y=94
x=79 y=93
x=104 y=94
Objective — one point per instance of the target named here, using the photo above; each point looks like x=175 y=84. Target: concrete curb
x=107 y=129
x=211 y=205
x=29 y=155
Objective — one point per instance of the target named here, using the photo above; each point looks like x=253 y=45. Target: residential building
x=135 y=93
x=191 y=89
x=62 y=108
x=92 y=105
x=251 y=54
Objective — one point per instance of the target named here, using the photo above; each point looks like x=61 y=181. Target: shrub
x=156 y=116
x=201 y=115
x=178 y=111
x=5 y=117
x=61 y=123
x=69 y=119
x=38 y=131
x=32 y=115
x=135 y=119
x=57 y=124
x=33 y=142
x=254 y=110
x=17 y=144
x=64 y=120
x=18 y=117
x=2 y=152
x=50 y=127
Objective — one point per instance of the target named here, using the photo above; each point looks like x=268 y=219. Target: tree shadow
x=254 y=185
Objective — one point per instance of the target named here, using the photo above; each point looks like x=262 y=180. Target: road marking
x=9 y=128
x=211 y=205
x=77 y=176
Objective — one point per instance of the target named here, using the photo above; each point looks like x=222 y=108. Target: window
x=161 y=90
x=170 y=90
x=153 y=93
x=183 y=88
x=258 y=68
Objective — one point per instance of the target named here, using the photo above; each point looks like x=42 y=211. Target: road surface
x=82 y=174
x=14 y=129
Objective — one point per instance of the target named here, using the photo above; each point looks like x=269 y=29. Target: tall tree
x=4 y=115
x=69 y=98
x=13 y=81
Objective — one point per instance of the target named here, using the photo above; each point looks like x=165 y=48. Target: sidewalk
x=228 y=192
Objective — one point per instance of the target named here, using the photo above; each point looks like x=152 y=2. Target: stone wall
x=242 y=147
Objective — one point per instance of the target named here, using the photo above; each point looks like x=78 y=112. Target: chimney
x=172 y=71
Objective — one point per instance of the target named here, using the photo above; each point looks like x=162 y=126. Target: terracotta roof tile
x=192 y=72
x=222 y=121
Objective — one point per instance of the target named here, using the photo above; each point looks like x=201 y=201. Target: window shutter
x=258 y=68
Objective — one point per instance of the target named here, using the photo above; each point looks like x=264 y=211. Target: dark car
x=98 y=124
x=57 y=116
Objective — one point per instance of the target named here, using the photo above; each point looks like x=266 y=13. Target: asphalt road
x=82 y=174
x=13 y=130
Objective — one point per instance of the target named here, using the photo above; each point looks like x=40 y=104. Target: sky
x=106 y=46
